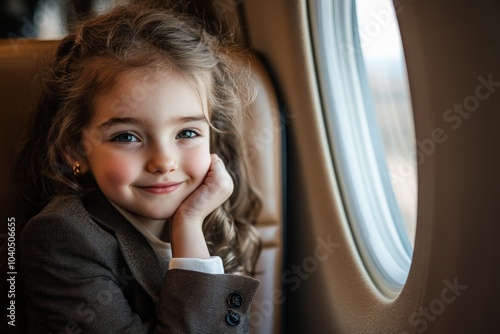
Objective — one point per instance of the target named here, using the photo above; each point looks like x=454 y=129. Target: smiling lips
x=163 y=188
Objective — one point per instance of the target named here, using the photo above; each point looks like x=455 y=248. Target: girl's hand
x=185 y=227
x=215 y=190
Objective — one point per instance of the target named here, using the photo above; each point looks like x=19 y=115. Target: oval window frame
x=384 y=248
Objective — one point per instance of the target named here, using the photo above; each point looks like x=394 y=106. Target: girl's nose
x=162 y=161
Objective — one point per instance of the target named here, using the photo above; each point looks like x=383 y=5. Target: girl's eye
x=187 y=134
x=125 y=137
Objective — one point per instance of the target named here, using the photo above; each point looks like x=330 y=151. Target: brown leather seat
x=20 y=61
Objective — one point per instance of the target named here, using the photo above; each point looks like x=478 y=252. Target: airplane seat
x=20 y=61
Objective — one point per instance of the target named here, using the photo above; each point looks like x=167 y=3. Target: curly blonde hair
x=89 y=62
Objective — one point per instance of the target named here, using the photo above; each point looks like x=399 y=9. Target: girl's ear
x=76 y=162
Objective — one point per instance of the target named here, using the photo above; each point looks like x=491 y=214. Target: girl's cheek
x=111 y=171
x=118 y=175
x=200 y=164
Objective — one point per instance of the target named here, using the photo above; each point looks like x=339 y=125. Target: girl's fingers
x=221 y=177
x=215 y=190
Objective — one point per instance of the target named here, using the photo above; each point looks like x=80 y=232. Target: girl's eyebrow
x=120 y=120
x=131 y=120
x=189 y=119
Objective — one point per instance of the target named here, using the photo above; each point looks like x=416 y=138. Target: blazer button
x=235 y=300
x=232 y=318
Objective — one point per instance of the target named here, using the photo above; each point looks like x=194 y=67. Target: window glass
x=366 y=98
x=385 y=66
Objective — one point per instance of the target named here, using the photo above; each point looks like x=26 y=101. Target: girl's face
x=148 y=145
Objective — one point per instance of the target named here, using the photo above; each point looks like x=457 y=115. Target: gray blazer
x=87 y=268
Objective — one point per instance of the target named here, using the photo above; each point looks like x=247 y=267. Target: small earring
x=76 y=169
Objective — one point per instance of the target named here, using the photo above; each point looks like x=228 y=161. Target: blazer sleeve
x=72 y=284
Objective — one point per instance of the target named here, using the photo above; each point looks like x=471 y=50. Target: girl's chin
x=160 y=218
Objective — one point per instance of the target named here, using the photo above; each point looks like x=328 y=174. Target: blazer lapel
x=137 y=252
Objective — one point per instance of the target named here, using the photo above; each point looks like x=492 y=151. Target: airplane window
x=366 y=97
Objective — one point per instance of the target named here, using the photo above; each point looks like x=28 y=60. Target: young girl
x=143 y=226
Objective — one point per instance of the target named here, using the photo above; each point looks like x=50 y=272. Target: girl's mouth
x=163 y=188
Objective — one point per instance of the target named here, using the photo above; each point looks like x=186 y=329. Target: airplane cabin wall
x=452 y=48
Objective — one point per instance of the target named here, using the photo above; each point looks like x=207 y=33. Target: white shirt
x=163 y=251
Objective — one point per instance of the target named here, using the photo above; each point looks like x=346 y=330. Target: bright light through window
x=365 y=93
x=383 y=57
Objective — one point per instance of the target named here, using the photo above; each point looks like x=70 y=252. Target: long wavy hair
x=89 y=62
